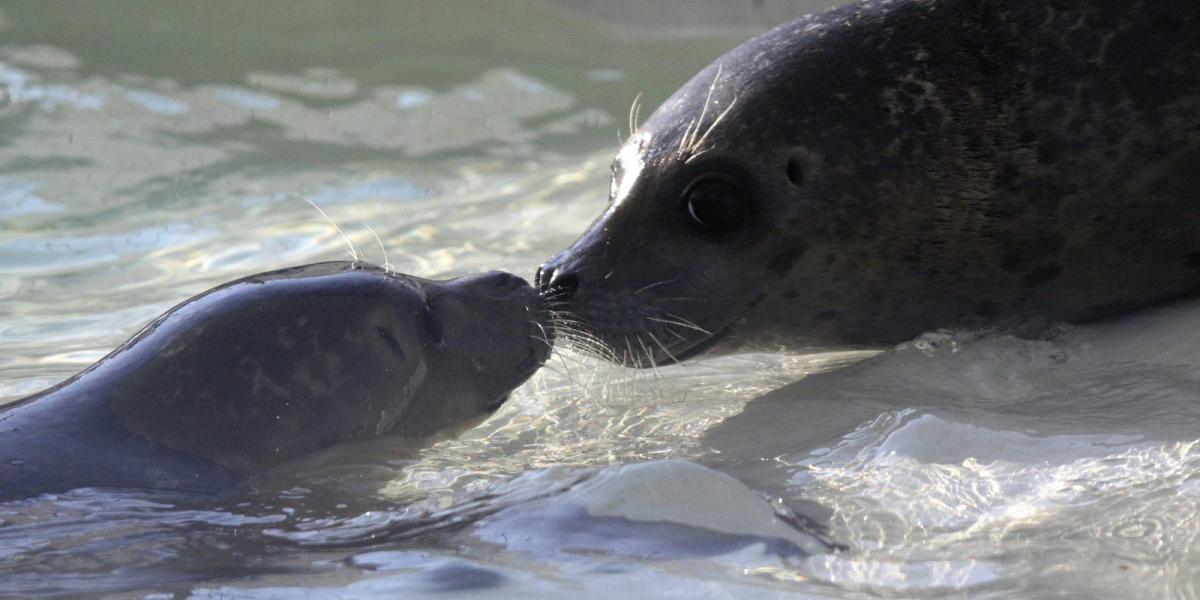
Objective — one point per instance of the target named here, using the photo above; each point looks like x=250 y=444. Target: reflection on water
x=149 y=151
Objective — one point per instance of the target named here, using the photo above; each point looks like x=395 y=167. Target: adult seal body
x=863 y=175
x=270 y=368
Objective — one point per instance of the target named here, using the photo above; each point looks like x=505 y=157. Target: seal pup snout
x=495 y=326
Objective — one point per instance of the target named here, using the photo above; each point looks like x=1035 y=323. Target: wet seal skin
x=274 y=366
x=863 y=175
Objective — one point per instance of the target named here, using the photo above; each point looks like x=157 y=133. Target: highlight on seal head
x=860 y=176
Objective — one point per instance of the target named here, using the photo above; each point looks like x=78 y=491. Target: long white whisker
x=679 y=324
x=689 y=323
x=689 y=147
x=354 y=255
x=387 y=266
x=683 y=140
x=715 y=122
x=653 y=367
x=634 y=109
x=636 y=361
x=644 y=288
x=664 y=348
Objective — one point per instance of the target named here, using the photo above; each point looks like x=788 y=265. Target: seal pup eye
x=714 y=202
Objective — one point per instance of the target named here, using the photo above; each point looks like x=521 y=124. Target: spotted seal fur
x=862 y=175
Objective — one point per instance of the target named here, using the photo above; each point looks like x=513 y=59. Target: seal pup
x=861 y=176
x=274 y=366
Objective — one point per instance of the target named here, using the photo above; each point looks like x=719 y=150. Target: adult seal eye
x=715 y=202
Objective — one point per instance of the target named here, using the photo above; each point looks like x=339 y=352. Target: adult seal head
x=272 y=367
x=863 y=175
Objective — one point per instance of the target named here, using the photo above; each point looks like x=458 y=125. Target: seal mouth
x=697 y=348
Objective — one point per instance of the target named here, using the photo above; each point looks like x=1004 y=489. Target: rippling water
x=149 y=151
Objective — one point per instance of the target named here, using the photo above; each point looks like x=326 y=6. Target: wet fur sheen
x=270 y=368
x=908 y=165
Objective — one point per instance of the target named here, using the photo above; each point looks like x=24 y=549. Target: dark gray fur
x=909 y=165
x=273 y=367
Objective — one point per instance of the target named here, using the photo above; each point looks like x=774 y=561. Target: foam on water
x=979 y=453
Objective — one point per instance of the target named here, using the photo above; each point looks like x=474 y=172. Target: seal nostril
x=561 y=286
x=542 y=279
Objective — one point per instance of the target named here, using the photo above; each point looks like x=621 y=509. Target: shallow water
x=150 y=151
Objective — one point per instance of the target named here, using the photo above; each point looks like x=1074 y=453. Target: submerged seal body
x=272 y=367
x=863 y=175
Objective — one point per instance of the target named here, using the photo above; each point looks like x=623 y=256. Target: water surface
x=149 y=151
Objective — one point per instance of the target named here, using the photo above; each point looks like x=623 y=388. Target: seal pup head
x=273 y=366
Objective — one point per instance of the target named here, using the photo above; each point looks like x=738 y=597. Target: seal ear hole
x=432 y=326
x=795 y=172
x=390 y=340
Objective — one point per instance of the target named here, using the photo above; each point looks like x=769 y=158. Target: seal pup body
x=863 y=175
x=272 y=367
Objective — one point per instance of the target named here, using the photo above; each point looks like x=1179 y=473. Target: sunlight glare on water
x=134 y=176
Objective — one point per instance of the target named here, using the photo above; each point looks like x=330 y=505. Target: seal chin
x=497 y=403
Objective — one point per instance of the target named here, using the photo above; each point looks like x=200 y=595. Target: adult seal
x=866 y=174
x=272 y=367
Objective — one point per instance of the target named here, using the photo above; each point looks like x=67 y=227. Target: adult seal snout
x=863 y=175
x=272 y=367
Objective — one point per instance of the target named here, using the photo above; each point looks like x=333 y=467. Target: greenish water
x=151 y=150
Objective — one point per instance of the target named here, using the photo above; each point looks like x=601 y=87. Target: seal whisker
x=577 y=329
x=664 y=348
x=714 y=124
x=634 y=113
x=594 y=351
x=683 y=140
x=354 y=255
x=688 y=323
x=694 y=156
x=564 y=317
x=636 y=361
x=680 y=323
x=545 y=337
x=653 y=368
x=387 y=265
x=566 y=369
x=644 y=288
x=615 y=370
x=585 y=342
x=690 y=146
